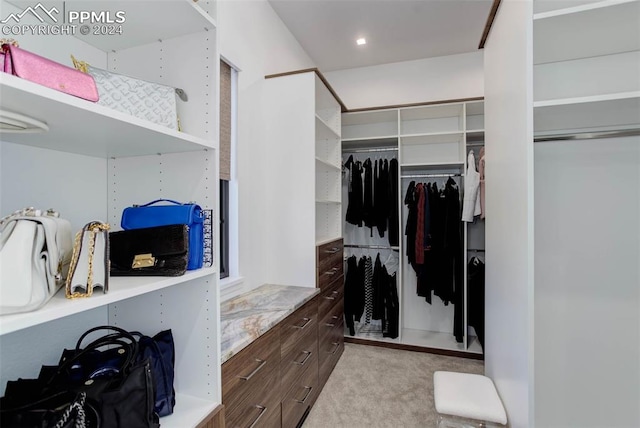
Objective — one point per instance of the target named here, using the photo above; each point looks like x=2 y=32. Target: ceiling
x=395 y=30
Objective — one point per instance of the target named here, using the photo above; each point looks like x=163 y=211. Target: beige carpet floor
x=380 y=387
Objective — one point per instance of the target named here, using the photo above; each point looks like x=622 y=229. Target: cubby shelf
x=120 y=288
x=95 y=131
x=323 y=165
x=324 y=131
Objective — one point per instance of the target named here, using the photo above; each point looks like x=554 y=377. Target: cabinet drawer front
x=329 y=262
x=328 y=250
x=330 y=341
x=294 y=363
x=261 y=407
x=334 y=317
x=330 y=350
x=296 y=326
x=329 y=276
x=330 y=297
x=300 y=396
x=250 y=368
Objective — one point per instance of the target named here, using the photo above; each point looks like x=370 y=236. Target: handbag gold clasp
x=142 y=261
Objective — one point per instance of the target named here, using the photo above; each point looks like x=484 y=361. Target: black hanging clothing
x=368 y=290
x=378 y=290
x=475 y=304
x=410 y=229
x=381 y=198
x=368 y=214
x=355 y=195
x=394 y=220
x=391 y=306
x=353 y=294
x=453 y=254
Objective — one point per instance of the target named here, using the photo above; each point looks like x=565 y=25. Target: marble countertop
x=246 y=317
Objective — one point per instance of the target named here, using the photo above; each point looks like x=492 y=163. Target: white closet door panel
x=190 y=311
x=587 y=294
x=73 y=185
x=172 y=63
x=568 y=79
x=23 y=352
x=509 y=208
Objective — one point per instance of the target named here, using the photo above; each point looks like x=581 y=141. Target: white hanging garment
x=392 y=263
x=471 y=202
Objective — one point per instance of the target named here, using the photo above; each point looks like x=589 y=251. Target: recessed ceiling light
x=361 y=41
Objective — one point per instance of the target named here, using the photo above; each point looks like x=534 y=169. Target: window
x=228 y=79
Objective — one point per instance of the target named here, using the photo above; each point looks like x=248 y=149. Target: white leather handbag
x=35 y=251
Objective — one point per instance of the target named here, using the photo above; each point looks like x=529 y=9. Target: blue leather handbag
x=151 y=215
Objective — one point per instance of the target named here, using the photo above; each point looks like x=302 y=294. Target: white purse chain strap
x=92 y=228
x=29 y=212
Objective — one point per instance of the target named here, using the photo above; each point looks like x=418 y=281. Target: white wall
x=254 y=39
x=430 y=79
x=509 y=209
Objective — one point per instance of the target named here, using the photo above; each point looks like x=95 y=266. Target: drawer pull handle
x=257 y=369
x=262 y=412
x=337 y=345
x=330 y=324
x=330 y=272
x=308 y=388
x=306 y=322
x=333 y=250
x=335 y=293
x=303 y=362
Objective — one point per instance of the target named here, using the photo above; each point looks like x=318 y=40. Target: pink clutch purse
x=51 y=74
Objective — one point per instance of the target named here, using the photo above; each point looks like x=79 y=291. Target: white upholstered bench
x=466 y=400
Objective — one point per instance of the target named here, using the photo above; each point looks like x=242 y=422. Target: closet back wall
x=430 y=79
x=254 y=39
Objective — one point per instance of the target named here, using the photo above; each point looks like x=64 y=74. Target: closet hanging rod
x=475 y=144
x=378 y=149
x=587 y=135
x=476 y=250
x=430 y=175
x=371 y=247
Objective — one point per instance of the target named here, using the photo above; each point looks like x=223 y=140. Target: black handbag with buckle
x=151 y=251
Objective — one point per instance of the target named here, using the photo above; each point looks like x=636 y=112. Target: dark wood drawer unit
x=330 y=348
x=246 y=375
x=293 y=364
x=330 y=280
x=330 y=298
x=331 y=320
x=300 y=396
x=297 y=325
x=261 y=408
x=329 y=263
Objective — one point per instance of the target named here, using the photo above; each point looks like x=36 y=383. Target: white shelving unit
x=93 y=162
x=305 y=129
x=428 y=139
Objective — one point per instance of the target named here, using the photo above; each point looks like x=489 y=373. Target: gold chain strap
x=92 y=228
x=12 y=42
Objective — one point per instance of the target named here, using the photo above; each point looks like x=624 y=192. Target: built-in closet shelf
x=422 y=338
x=476 y=135
x=321 y=240
x=587 y=99
x=323 y=165
x=324 y=131
x=586 y=31
x=120 y=288
x=96 y=130
x=588 y=114
x=408 y=167
x=367 y=140
x=189 y=411
x=328 y=201
x=143 y=24
x=430 y=137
